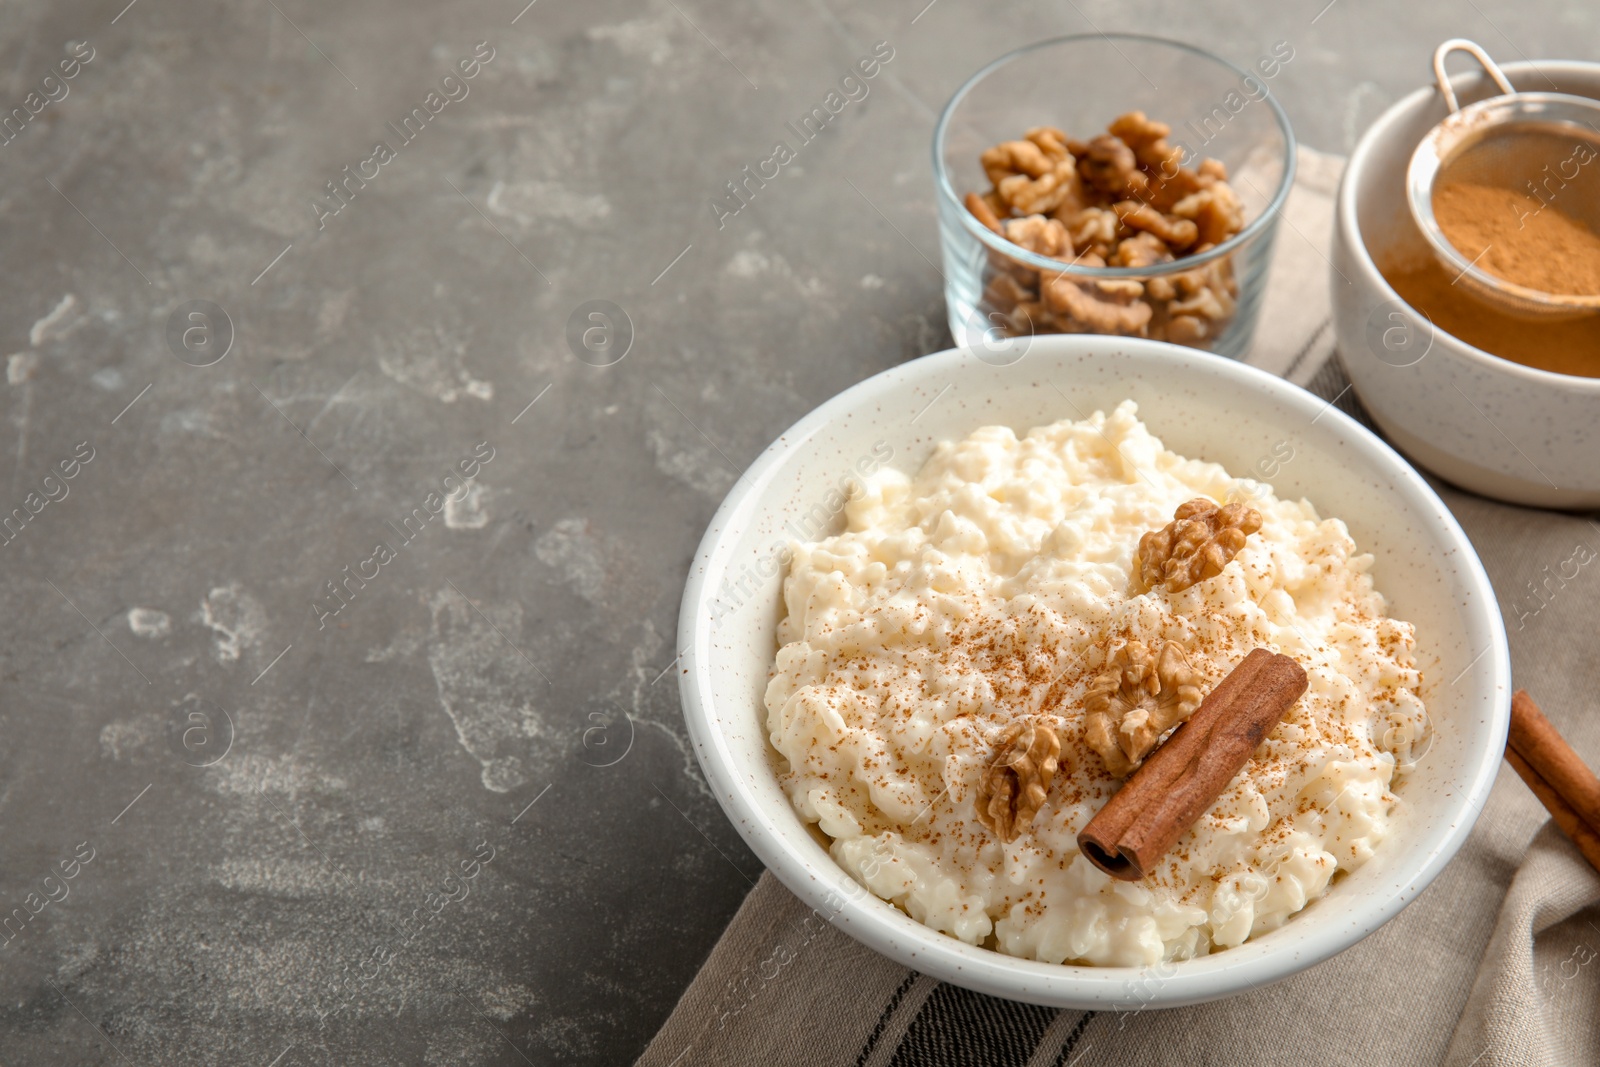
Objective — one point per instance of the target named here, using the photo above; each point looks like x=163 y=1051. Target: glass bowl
x=1078 y=85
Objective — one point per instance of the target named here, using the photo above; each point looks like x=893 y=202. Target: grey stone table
x=301 y=761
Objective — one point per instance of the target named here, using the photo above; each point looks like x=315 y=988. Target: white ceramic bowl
x=1496 y=427
x=1201 y=406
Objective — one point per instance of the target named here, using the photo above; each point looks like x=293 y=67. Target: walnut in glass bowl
x=1122 y=199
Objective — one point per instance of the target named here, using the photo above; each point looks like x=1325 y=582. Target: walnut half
x=1014 y=785
x=1199 y=541
x=1138 y=697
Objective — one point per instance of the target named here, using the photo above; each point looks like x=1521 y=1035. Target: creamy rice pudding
x=1001 y=584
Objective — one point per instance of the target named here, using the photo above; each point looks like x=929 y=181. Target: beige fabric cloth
x=1497 y=963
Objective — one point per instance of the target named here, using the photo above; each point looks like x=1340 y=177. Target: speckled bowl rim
x=1348 y=221
x=833 y=894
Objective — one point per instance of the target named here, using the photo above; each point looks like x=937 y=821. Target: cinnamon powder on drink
x=1563 y=346
x=1514 y=205
x=1518 y=238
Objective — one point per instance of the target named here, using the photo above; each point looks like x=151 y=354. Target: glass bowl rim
x=1055 y=266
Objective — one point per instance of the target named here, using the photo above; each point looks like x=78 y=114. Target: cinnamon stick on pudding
x=1566 y=787
x=1185 y=776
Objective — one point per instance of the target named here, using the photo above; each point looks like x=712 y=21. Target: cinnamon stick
x=1557 y=775
x=1565 y=816
x=1538 y=741
x=1186 y=775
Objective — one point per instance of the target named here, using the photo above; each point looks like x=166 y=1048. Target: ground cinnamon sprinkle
x=1563 y=346
x=1516 y=237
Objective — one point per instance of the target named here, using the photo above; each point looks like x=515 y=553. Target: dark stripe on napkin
x=959 y=1028
x=883 y=1017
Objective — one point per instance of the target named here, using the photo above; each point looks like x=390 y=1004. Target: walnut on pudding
x=1014 y=785
x=1142 y=693
x=1200 y=540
